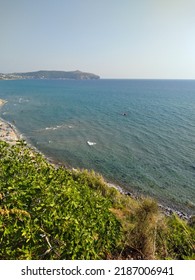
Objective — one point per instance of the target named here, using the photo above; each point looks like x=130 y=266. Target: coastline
x=167 y=210
x=10 y=134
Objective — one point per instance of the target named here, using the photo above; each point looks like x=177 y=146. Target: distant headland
x=50 y=75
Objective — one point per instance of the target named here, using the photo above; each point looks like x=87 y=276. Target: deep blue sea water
x=139 y=134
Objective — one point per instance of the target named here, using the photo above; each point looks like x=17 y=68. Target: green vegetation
x=54 y=213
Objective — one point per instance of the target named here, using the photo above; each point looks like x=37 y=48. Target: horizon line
x=102 y=78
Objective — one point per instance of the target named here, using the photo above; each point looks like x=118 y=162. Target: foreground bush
x=45 y=214
x=178 y=239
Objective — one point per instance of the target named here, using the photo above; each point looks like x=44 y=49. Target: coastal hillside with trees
x=49 y=212
x=50 y=75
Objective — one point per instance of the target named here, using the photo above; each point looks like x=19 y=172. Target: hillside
x=48 y=75
x=49 y=212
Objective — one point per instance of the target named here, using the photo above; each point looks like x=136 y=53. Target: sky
x=125 y=39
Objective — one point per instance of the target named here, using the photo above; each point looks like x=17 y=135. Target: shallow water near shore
x=139 y=134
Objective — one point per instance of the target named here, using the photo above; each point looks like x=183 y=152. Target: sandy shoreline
x=7 y=131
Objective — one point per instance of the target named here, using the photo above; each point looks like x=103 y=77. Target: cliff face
x=48 y=75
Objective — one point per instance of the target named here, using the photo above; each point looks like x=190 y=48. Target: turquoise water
x=139 y=134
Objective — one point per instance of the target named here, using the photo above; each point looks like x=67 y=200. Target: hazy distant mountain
x=49 y=75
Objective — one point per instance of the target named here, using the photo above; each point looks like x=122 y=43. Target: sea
x=138 y=134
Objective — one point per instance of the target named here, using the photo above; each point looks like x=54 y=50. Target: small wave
x=48 y=128
x=51 y=128
x=64 y=125
x=22 y=100
x=91 y=143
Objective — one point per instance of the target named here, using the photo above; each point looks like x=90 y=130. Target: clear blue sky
x=112 y=38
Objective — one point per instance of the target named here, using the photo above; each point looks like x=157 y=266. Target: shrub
x=46 y=214
x=179 y=238
x=143 y=235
